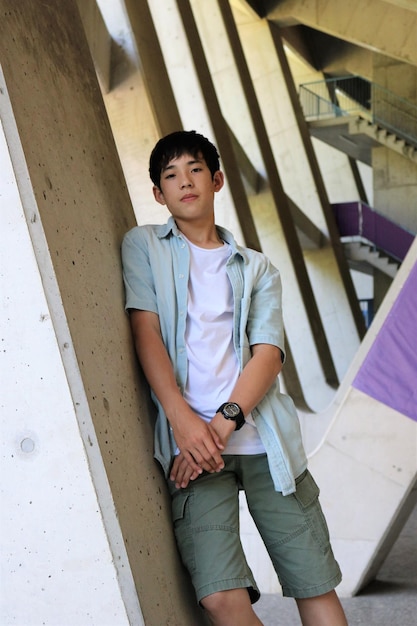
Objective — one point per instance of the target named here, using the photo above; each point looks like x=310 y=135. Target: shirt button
x=183 y=245
x=181 y=275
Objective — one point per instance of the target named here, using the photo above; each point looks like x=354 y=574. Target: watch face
x=231 y=410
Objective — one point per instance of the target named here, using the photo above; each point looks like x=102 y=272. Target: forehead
x=183 y=159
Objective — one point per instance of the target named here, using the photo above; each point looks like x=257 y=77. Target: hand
x=182 y=472
x=222 y=427
x=198 y=442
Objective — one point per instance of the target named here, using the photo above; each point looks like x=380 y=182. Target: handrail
x=354 y=95
x=357 y=219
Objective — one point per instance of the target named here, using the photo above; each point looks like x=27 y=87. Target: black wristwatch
x=232 y=411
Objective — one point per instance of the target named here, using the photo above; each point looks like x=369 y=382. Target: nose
x=186 y=182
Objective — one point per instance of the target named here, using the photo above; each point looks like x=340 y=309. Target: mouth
x=188 y=197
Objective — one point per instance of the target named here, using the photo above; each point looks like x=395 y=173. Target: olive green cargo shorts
x=293 y=529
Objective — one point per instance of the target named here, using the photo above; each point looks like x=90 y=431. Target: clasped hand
x=200 y=448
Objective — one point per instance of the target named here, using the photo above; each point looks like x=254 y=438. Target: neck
x=203 y=237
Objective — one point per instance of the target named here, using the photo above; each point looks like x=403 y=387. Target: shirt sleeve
x=137 y=273
x=265 y=321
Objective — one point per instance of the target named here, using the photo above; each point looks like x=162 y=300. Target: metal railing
x=356 y=96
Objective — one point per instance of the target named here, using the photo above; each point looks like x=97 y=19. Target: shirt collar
x=171 y=227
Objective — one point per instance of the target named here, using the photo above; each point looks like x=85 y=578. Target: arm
x=253 y=383
x=199 y=444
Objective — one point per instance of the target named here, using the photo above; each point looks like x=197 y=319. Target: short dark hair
x=175 y=145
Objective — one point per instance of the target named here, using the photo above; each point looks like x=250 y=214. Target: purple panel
x=358 y=219
x=347 y=218
x=389 y=371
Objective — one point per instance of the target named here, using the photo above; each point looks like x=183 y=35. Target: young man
x=207 y=325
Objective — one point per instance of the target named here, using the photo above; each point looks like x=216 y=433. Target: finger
x=187 y=475
x=183 y=470
x=174 y=469
x=182 y=473
x=205 y=460
x=194 y=460
x=182 y=465
x=213 y=458
x=194 y=475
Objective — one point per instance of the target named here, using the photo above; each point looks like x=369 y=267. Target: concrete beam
x=99 y=40
x=320 y=186
x=308 y=233
x=157 y=83
x=389 y=28
x=280 y=198
x=224 y=142
x=68 y=167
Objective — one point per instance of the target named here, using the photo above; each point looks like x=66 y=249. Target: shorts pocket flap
x=178 y=505
x=307 y=491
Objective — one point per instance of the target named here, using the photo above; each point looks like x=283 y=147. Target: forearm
x=158 y=370
x=253 y=383
x=257 y=377
x=196 y=440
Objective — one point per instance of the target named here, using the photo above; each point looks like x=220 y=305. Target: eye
x=197 y=169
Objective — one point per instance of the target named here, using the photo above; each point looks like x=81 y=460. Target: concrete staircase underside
x=363 y=257
x=356 y=136
x=364 y=24
x=376 y=132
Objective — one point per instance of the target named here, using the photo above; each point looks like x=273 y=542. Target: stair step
x=362 y=252
x=383 y=136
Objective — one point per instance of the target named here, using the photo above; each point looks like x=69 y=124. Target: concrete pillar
x=86 y=516
x=55 y=535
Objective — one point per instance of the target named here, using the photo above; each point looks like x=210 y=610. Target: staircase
x=382 y=136
x=370 y=239
x=363 y=257
x=354 y=115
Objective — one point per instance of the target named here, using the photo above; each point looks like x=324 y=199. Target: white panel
x=57 y=567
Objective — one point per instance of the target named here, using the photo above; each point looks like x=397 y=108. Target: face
x=188 y=188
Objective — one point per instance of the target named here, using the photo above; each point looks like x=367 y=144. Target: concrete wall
x=194 y=107
x=73 y=193
x=293 y=168
x=395 y=177
x=395 y=181
x=99 y=526
x=56 y=520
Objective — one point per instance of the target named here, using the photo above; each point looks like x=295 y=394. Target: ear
x=218 y=180
x=158 y=195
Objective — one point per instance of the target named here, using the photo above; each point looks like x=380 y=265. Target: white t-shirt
x=213 y=367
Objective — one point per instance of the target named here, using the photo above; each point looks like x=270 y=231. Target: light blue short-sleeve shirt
x=156 y=263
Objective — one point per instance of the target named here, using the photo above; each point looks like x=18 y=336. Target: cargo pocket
x=179 y=502
x=182 y=529
x=307 y=496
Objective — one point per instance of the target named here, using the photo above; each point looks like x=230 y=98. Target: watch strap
x=239 y=418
